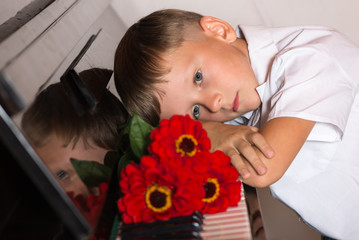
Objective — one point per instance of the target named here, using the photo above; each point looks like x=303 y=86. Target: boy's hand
x=239 y=143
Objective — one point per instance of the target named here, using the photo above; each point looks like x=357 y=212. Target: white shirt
x=313 y=73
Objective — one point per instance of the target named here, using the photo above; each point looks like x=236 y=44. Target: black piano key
x=187 y=227
x=195 y=217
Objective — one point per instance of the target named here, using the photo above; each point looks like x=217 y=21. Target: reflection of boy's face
x=210 y=79
x=57 y=159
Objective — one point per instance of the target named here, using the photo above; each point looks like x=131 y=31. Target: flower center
x=158 y=198
x=186 y=145
x=212 y=190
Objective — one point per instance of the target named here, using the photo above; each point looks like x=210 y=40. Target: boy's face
x=210 y=79
x=57 y=158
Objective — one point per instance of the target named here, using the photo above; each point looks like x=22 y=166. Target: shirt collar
x=239 y=33
x=261 y=52
x=260 y=90
x=261 y=47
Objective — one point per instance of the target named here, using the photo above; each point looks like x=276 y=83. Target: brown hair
x=139 y=59
x=52 y=113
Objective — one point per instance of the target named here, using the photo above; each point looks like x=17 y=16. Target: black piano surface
x=33 y=205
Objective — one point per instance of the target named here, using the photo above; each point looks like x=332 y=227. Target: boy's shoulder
x=268 y=42
x=261 y=32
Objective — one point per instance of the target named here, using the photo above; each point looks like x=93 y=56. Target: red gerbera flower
x=221 y=184
x=154 y=191
x=179 y=137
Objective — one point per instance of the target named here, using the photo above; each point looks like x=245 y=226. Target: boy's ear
x=219 y=28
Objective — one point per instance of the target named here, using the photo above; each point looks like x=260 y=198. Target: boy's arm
x=286 y=135
x=238 y=143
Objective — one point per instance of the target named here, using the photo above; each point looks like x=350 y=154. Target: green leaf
x=91 y=173
x=139 y=136
x=114 y=230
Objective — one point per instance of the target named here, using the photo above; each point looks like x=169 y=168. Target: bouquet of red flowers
x=178 y=175
x=166 y=172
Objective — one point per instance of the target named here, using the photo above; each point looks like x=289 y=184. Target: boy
x=58 y=133
x=298 y=85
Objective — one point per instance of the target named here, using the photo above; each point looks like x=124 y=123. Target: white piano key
x=231 y=224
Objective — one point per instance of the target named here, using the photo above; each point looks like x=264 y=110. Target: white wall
x=342 y=15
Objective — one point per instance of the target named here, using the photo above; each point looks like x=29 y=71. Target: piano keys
x=231 y=224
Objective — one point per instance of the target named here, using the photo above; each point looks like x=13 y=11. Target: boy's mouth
x=235 y=103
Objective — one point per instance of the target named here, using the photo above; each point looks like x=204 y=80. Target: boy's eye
x=61 y=174
x=196 y=111
x=198 y=77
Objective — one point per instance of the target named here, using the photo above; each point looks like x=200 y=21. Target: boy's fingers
x=238 y=163
x=250 y=155
x=259 y=141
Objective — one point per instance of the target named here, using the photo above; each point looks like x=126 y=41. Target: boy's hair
x=139 y=59
x=52 y=113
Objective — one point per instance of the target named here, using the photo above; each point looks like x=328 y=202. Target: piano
x=232 y=224
x=34 y=54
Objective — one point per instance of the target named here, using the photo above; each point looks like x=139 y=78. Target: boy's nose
x=214 y=103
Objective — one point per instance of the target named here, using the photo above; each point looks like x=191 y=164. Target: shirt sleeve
x=312 y=85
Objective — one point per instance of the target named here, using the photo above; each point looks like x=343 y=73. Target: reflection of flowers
x=91 y=207
x=179 y=177
x=154 y=191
